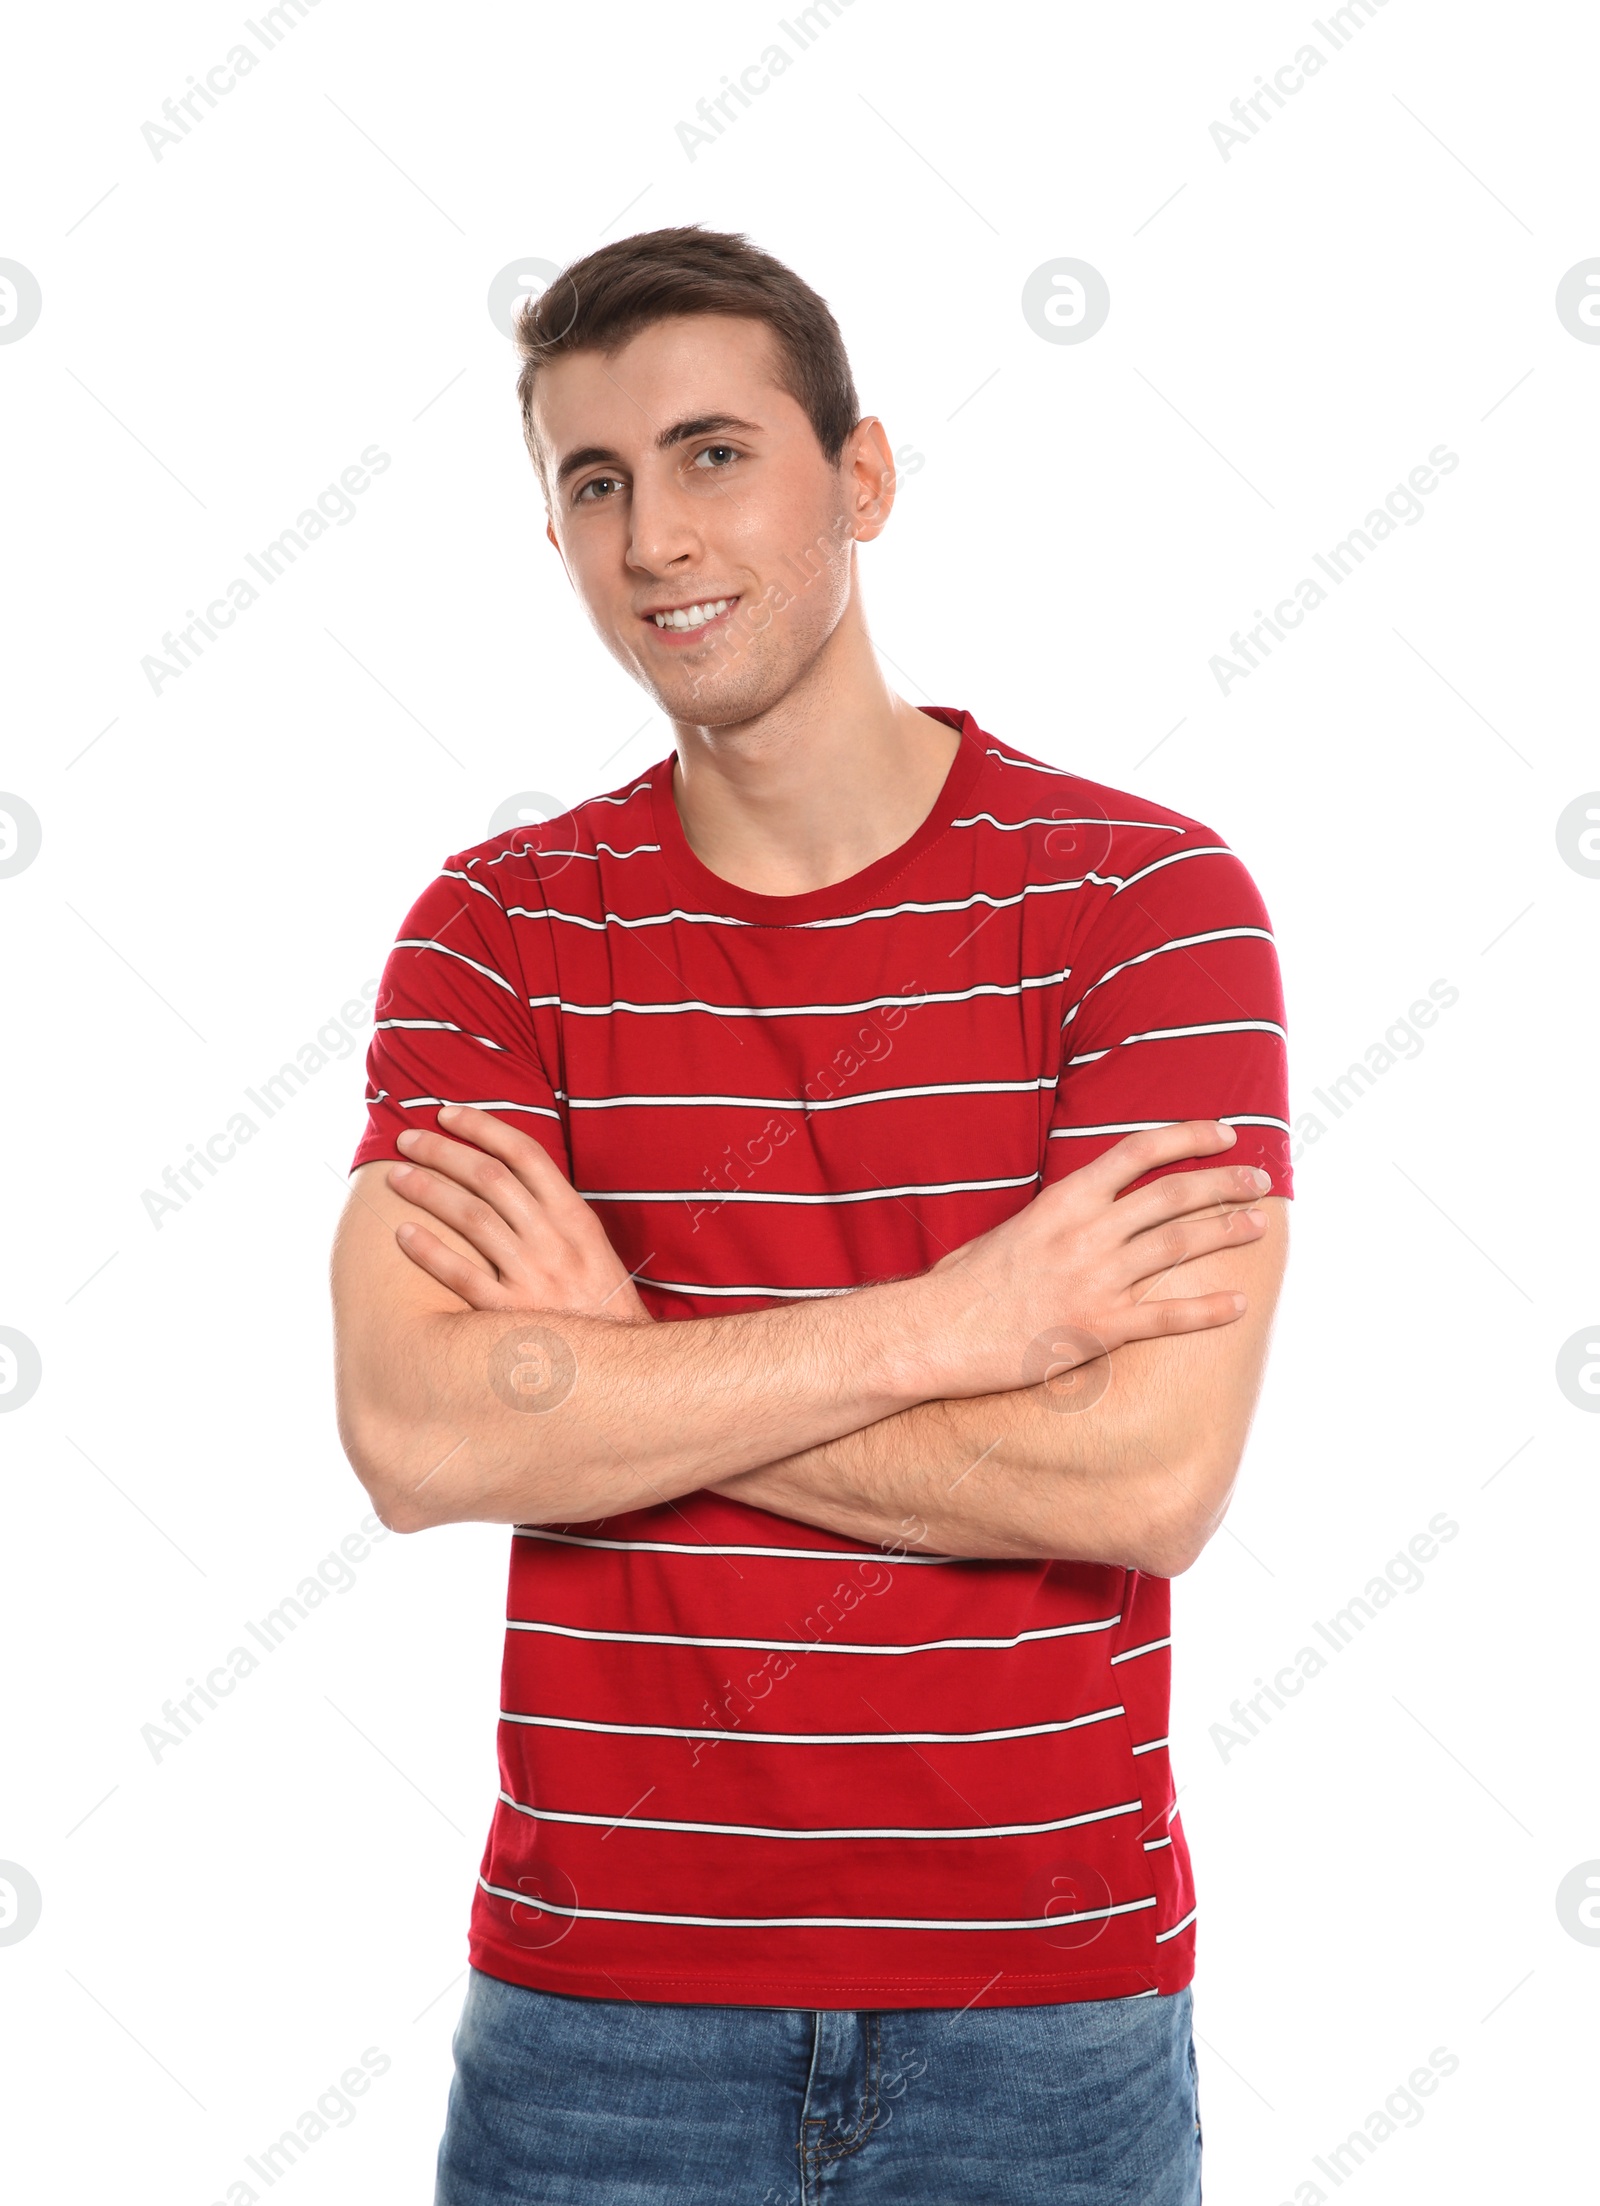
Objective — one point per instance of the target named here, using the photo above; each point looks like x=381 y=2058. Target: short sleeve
x=454 y=1022
x=1174 y=1010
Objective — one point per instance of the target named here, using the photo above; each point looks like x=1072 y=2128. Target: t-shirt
x=744 y=1760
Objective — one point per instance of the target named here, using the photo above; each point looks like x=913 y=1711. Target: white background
x=224 y=864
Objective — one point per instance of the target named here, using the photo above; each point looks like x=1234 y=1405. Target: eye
x=711 y=452
x=600 y=483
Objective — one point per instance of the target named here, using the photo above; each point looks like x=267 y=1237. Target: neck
x=836 y=774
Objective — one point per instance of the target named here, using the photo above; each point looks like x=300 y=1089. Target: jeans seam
x=851 y=2140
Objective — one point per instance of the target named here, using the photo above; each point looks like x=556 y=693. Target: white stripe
x=1178 y=942
x=408 y=942
x=1032 y=765
x=475 y=1103
x=719 y=1196
x=1150 y=1746
x=680 y=1286
x=1149 y=1647
x=441 y=1026
x=625 y=798
x=803 y=1010
x=806 y=1104
x=814 y=1738
x=1149 y=1125
x=769 y=1830
x=537 y=850
x=1182 y=1033
x=801 y=926
x=1164 y=827
x=1197 y=850
x=1163 y=1935
x=819 y=1646
x=1151 y=1845
x=698 y=1547
x=454 y=873
x=1214 y=1026
x=817 y=1922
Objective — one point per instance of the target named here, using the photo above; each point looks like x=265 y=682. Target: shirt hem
x=1011 y=1989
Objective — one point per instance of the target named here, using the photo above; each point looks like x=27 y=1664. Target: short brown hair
x=598 y=303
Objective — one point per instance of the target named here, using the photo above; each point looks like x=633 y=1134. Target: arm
x=1132 y=1460
x=461 y=1399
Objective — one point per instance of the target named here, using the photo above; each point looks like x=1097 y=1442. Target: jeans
x=614 y=2102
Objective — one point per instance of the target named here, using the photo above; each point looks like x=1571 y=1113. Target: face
x=707 y=536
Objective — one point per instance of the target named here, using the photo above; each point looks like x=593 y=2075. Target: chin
x=720 y=696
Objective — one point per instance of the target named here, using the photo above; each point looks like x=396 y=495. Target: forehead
x=687 y=366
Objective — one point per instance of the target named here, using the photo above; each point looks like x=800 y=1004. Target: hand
x=1073 y=1275
x=543 y=1246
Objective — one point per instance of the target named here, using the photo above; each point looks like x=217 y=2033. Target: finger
x=1165 y=1247
x=477 y=1287
x=527 y=1158
x=1181 y=1194
x=473 y=1217
x=1146 y=1151
x=1183 y=1314
x=492 y=1179
x=561 y=1208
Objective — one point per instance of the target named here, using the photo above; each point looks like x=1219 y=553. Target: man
x=827 y=1194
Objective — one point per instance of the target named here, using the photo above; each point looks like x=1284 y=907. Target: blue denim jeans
x=613 y=2102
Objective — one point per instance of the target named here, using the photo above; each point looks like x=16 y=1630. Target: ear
x=870 y=462
x=555 y=541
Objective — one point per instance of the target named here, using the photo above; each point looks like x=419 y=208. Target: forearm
x=1129 y=1460
x=555 y=1416
x=1004 y=1475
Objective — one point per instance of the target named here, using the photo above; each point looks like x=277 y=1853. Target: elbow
x=374 y=1453
x=1181 y=1524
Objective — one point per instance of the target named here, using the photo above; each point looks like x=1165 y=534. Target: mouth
x=677 y=625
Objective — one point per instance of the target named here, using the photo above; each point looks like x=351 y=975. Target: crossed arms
x=494 y=1362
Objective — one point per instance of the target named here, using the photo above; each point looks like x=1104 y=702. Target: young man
x=827 y=1194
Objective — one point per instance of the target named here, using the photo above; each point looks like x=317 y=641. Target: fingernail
x=1262 y=1179
x=1256 y=1217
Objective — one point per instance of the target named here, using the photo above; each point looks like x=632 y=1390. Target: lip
x=676 y=639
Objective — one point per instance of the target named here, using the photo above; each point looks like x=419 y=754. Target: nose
x=665 y=532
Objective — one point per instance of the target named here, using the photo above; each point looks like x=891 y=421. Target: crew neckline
x=837 y=897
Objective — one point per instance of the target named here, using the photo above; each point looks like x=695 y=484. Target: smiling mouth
x=686 y=620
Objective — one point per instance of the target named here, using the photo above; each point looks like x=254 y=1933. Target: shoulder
x=518 y=865
x=1059 y=818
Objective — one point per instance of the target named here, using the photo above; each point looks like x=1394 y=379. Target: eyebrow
x=701 y=425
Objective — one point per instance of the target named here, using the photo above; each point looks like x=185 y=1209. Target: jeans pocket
x=1194 y=2086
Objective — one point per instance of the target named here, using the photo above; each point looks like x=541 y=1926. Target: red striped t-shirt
x=744 y=1760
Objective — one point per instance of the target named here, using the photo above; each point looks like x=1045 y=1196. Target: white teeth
x=692 y=616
